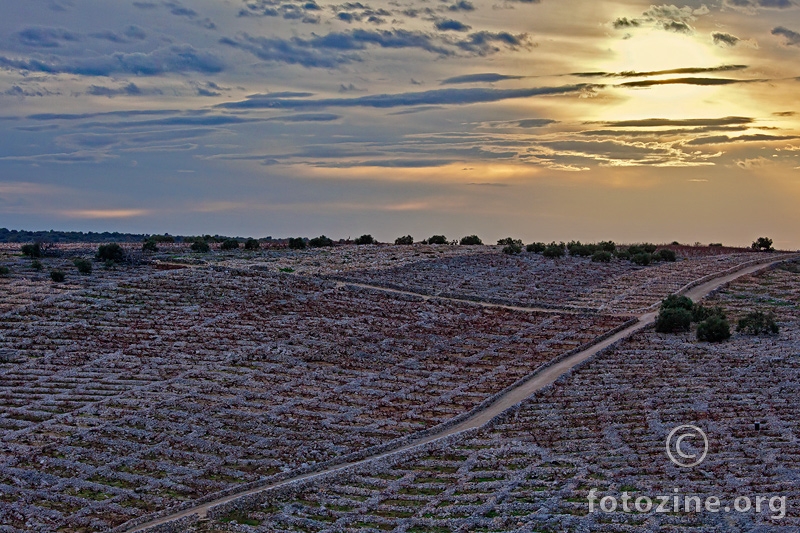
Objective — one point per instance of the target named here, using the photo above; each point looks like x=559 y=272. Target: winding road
x=512 y=397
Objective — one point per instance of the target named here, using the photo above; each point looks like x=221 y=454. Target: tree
x=763 y=244
x=471 y=240
x=405 y=240
x=251 y=244
x=601 y=256
x=513 y=248
x=701 y=312
x=437 y=239
x=321 y=241
x=714 y=329
x=200 y=247
x=675 y=301
x=758 y=323
x=554 y=250
x=230 y=244
x=607 y=246
x=83 y=266
x=149 y=246
x=57 y=276
x=673 y=320
x=667 y=255
x=32 y=250
x=642 y=259
x=365 y=239
x=111 y=252
x=536 y=247
x=297 y=243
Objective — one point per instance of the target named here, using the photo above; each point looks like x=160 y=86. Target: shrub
x=536 y=247
x=607 y=246
x=297 y=243
x=601 y=256
x=405 y=240
x=200 y=246
x=674 y=301
x=229 y=244
x=673 y=320
x=437 y=239
x=582 y=250
x=635 y=250
x=508 y=241
x=251 y=244
x=554 y=250
x=649 y=248
x=109 y=264
x=714 y=329
x=111 y=252
x=701 y=312
x=642 y=259
x=471 y=240
x=763 y=244
x=32 y=250
x=37 y=265
x=57 y=276
x=513 y=247
x=667 y=255
x=149 y=246
x=758 y=323
x=623 y=254
x=83 y=266
x=165 y=239
x=4 y=270
x=715 y=245
x=365 y=239
x=321 y=241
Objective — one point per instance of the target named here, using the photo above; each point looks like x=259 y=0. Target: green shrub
x=200 y=247
x=649 y=248
x=763 y=244
x=701 y=312
x=714 y=329
x=667 y=255
x=471 y=240
x=513 y=247
x=623 y=254
x=57 y=276
x=642 y=259
x=149 y=246
x=437 y=239
x=109 y=264
x=111 y=252
x=674 y=301
x=365 y=239
x=32 y=250
x=607 y=246
x=536 y=247
x=601 y=256
x=320 y=242
x=37 y=265
x=252 y=244
x=673 y=320
x=405 y=240
x=229 y=244
x=758 y=323
x=554 y=250
x=635 y=250
x=582 y=250
x=297 y=243
x=4 y=270
x=83 y=266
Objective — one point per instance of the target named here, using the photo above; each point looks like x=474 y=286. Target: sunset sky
x=539 y=119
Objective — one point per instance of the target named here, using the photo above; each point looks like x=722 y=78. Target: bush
x=111 y=252
x=607 y=246
x=471 y=240
x=365 y=239
x=405 y=240
x=57 y=276
x=321 y=241
x=437 y=239
x=673 y=320
x=758 y=323
x=83 y=266
x=297 y=243
x=623 y=254
x=37 y=265
x=251 y=244
x=674 y=301
x=163 y=239
x=667 y=255
x=554 y=250
x=4 y=270
x=714 y=329
x=230 y=244
x=200 y=246
x=513 y=248
x=601 y=256
x=642 y=259
x=649 y=248
x=109 y=264
x=582 y=250
x=701 y=312
x=32 y=250
x=149 y=246
x=763 y=244
x=536 y=247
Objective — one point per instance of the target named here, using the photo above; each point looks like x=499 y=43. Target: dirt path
x=536 y=382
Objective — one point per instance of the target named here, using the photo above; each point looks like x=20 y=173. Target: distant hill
x=13 y=235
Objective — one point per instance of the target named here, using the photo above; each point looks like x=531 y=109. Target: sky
x=538 y=119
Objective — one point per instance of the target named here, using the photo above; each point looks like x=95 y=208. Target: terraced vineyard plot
x=133 y=398
x=602 y=426
x=532 y=280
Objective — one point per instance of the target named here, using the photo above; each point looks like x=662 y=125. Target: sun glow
x=660 y=50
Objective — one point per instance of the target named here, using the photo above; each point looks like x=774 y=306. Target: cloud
x=535 y=122
x=663 y=122
x=461 y=5
x=722 y=38
x=42 y=37
x=645 y=74
x=684 y=81
x=624 y=22
x=433 y=97
x=451 y=25
x=178 y=10
x=792 y=37
x=665 y=17
x=178 y=58
x=130 y=89
x=722 y=139
x=481 y=43
x=753 y=6
x=131 y=34
x=484 y=77
x=749 y=164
